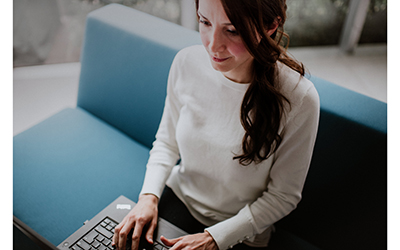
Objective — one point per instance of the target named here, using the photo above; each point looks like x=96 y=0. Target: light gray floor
x=41 y=91
x=365 y=71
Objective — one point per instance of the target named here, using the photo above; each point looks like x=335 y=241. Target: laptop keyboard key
x=157 y=246
x=106 y=242
x=102 y=248
x=95 y=244
x=100 y=238
x=90 y=237
x=104 y=232
x=82 y=244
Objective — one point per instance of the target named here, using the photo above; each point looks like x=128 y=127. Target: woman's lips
x=216 y=59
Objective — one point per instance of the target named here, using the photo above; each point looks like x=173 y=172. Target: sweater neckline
x=223 y=79
x=231 y=84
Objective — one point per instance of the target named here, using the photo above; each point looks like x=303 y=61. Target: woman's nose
x=217 y=43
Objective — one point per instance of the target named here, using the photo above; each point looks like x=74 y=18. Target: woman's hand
x=202 y=241
x=144 y=213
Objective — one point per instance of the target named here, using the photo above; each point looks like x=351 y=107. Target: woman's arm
x=163 y=157
x=165 y=152
x=287 y=177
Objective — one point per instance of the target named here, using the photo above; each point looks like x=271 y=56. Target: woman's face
x=225 y=47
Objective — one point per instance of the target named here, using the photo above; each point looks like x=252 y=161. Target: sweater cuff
x=154 y=180
x=234 y=230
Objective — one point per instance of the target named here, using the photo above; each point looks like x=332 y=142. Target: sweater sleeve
x=287 y=177
x=164 y=153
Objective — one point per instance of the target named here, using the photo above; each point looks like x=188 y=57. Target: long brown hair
x=263 y=104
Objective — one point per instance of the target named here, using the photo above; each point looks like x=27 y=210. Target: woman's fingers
x=137 y=232
x=169 y=242
x=133 y=230
x=116 y=237
x=150 y=231
x=124 y=233
x=201 y=241
x=144 y=213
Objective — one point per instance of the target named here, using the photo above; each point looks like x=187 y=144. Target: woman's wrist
x=149 y=197
x=211 y=243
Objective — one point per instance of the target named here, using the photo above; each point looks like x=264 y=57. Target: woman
x=242 y=120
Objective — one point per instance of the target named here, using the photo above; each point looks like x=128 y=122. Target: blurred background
x=51 y=31
x=342 y=41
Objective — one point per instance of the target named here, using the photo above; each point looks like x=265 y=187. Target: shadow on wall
x=51 y=31
x=48 y=31
x=34 y=25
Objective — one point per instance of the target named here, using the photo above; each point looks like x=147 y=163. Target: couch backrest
x=125 y=62
x=344 y=197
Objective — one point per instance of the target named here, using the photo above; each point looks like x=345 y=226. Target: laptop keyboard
x=100 y=238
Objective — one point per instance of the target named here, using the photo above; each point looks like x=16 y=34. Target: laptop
x=98 y=232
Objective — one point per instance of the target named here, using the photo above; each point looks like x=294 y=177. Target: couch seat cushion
x=68 y=168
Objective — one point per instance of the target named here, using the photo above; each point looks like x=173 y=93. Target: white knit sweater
x=201 y=126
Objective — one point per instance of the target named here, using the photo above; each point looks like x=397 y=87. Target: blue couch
x=70 y=166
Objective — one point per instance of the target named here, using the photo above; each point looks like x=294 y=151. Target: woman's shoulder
x=191 y=62
x=191 y=55
x=294 y=86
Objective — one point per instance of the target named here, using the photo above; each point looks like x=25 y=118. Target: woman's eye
x=204 y=22
x=233 y=32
